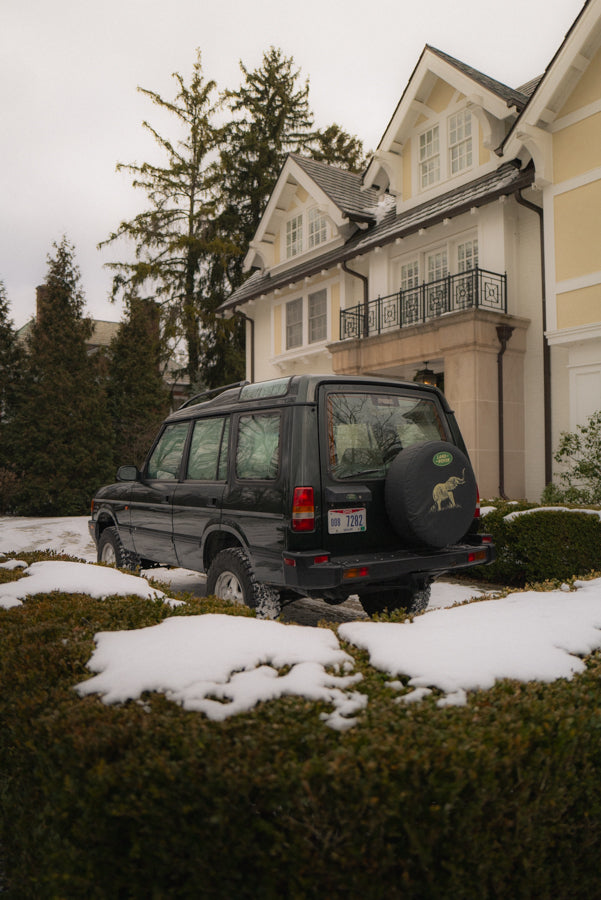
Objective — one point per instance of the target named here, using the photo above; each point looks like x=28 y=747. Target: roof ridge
x=503 y=90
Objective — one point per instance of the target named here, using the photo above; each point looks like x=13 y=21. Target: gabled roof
x=507 y=179
x=345 y=189
x=512 y=96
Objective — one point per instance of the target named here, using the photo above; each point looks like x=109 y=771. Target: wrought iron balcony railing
x=476 y=288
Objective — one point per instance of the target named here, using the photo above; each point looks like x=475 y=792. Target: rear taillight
x=303 y=509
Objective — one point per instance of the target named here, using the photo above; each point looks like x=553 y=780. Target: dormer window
x=429 y=157
x=317 y=228
x=460 y=142
x=294 y=236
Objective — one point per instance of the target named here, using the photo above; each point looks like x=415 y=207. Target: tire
x=412 y=600
x=112 y=552
x=431 y=494
x=231 y=577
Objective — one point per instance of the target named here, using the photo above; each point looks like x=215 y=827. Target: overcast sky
x=69 y=108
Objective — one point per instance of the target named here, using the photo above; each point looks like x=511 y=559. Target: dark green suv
x=316 y=485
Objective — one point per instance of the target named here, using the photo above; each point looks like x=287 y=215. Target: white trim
x=573 y=118
x=574 y=335
x=578 y=181
x=576 y=284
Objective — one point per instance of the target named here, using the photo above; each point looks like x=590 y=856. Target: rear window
x=367 y=430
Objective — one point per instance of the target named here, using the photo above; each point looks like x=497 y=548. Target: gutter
x=504 y=332
x=365 y=281
x=546 y=348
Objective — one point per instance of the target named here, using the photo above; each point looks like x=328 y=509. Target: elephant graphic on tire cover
x=443 y=492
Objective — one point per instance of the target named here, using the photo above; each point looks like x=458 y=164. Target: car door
x=152 y=499
x=197 y=498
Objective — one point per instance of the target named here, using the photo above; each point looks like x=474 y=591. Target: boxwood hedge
x=145 y=800
x=543 y=544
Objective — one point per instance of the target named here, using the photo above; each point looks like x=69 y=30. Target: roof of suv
x=287 y=390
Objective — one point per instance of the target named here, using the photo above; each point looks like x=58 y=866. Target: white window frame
x=313 y=323
x=460 y=142
x=409 y=274
x=317 y=228
x=429 y=157
x=292 y=322
x=466 y=254
x=294 y=236
x=437 y=263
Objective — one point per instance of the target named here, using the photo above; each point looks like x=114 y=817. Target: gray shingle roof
x=505 y=180
x=342 y=187
x=512 y=96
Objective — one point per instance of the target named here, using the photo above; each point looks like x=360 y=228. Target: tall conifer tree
x=60 y=435
x=137 y=396
x=11 y=356
x=174 y=236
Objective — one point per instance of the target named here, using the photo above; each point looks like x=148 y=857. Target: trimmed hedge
x=540 y=546
x=496 y=799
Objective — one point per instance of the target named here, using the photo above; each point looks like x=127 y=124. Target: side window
x=208 y=450
x=166 y=457
x=258 y=452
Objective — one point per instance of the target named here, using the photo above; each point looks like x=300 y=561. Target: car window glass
x=166 y=457
x=258 y=452
x=367 y=430
x=207 y=460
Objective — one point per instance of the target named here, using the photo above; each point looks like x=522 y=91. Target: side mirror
x=128 y=473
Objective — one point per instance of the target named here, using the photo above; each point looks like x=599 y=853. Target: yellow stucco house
x=468 y=253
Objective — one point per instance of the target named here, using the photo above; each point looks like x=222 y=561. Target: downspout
x=504 y=332
x=365 y=281
x=546 y=348
x=238 y=312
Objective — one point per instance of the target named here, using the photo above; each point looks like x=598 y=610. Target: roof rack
x=212 y=391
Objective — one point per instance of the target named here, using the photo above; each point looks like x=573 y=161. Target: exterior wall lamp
x=426 y=376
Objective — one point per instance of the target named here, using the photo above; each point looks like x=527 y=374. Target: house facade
x=465 y=255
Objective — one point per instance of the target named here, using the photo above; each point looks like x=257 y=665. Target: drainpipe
x=238 y=312
x=365 y=281
x=546 y=348
x=504 y=332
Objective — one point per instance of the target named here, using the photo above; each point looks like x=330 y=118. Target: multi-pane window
x=437 y=264
x=460 y=141
x=318 y=316
x=429 y=157
x=467 y=255
x=317 y=231
x=294 y=236
x=294 y=323
x=409 y=275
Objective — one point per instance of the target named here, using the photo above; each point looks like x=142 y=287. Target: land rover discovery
x=317 y=485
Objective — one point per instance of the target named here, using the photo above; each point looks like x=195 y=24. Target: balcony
x=476 y=288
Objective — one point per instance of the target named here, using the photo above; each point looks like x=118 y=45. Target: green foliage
x=544 y=544
x=496 y=799
x=579 y=453
x=138 y=400
x=59 y=436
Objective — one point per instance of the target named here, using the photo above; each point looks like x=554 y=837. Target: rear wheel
x=112 y=552
x=412 y=599
x=231 y=577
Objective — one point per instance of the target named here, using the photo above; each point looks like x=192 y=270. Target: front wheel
x=231 y=577
x=112 y=552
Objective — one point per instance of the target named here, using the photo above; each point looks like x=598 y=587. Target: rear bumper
x=314 y=571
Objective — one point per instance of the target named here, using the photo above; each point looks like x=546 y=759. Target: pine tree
x=138 y=399
x=60 y=434
x=336 y=147
x=10 y=373
x=174 y=237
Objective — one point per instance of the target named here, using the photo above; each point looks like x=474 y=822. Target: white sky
x=223 y=665
x=70 y=111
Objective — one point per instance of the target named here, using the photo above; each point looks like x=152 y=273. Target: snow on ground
x=222 y=665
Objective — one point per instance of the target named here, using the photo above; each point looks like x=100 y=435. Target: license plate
x=344 y=521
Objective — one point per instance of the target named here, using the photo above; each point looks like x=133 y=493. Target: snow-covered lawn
x=222 y=665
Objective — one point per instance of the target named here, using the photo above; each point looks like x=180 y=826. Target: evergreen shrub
x=541 y=545
x=496 y=799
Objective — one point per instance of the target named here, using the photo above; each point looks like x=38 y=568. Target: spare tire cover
x=431 y=494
